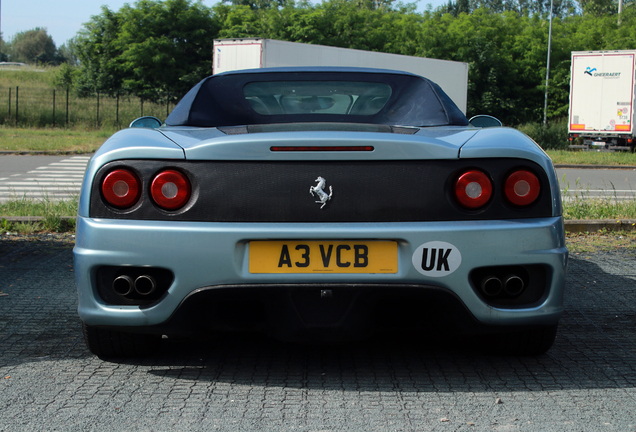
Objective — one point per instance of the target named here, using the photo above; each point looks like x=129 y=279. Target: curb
x=571 y=226
x=616 y=167
x=596 y=225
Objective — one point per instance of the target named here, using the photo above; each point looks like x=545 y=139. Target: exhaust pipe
x=123 y=285
x=145 y=285
x=491 y=286
x=513 y=285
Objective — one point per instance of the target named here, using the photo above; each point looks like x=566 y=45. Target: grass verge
x=53 y=140
x=51 y=212
x=600 y=241
x=599 y=209
x=592 y=158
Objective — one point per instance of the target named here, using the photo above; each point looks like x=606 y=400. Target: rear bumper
x=331 y=312
x=210 y=258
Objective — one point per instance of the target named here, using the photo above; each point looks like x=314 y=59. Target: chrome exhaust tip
x=514 y=285
x=491 y=286
x=123 y=285
x=145 y=285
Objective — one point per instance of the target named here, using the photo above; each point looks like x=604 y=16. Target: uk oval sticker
x=437 y=259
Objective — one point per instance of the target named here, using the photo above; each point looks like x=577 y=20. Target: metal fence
x=37 y=107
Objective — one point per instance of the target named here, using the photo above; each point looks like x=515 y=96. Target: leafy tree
x=67 y=52
x=3 y=56
x=257 y=4
x=65 y=76
x=98 y=53
x=33 y=46
x=599 y=8
x=159 y=49
x=153 y=49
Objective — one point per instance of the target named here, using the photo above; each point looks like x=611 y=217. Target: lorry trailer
x=601 y=114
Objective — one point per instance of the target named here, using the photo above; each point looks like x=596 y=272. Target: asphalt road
x=598 y=183
x=41 y=177
x=49 y=381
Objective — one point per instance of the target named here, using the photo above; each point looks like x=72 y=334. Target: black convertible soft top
x=329 y=95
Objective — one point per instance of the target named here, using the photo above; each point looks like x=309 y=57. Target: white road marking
x=55 y=181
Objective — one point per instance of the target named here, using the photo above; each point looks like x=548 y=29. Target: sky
x=64 y=18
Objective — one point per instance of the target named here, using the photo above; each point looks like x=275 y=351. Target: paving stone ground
x=50 y=382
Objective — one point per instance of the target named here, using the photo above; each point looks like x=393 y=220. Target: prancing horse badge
x=319 y=190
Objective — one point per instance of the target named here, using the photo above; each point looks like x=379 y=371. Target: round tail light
x=121 y=188
x=170 y=190
x=473 y=189
x=522 y=188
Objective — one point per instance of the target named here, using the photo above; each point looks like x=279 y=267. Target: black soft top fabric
x=218 y=100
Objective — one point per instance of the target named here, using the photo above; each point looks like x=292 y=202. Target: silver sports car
x=319 y=203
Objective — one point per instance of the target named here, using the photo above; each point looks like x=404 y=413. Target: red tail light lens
x=121 y=188
x=522 y=188
x=170 y=189
x=473 y=189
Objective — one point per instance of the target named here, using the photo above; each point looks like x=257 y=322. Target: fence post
x=53 y=107
x=142 y=107
x=17 y=104
x=97 y=110
x=9 y=103
x=66 y=106
x=117 y=111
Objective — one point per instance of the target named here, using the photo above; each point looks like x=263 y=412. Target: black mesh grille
x=373 y=191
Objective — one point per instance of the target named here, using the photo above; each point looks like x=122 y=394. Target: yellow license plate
x=323 y=256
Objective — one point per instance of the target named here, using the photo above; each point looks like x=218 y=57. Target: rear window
x=316 y=95
x=321 y=97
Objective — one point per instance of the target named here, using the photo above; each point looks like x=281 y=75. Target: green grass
x=51 y=212
x=582 y=243
x=599 y=209
x=38 y=100
x=591 y=157
x=39 y=207
x=48 y=139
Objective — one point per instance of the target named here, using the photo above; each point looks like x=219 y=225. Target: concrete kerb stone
x=596 y=225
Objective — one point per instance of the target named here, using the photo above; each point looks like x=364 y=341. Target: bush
x=553 y=136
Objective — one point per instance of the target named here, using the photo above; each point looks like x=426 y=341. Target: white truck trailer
x=602 y=100
x=252 y=53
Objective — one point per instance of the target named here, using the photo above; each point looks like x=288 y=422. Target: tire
x=111 y=343
x=531 y=342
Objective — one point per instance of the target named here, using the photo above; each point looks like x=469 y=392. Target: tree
x=561 y=8
x=67 y=52
x=98 y=52
x=33 y=46
x=64 y=76
x=599 y=8
x=154 y=49
x=257 y=4
x=3 y=54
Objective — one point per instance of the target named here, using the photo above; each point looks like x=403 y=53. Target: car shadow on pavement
x=595 y=348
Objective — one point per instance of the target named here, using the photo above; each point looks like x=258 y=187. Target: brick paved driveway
x=48 y=380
